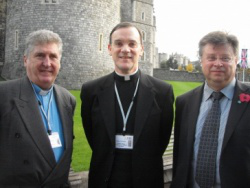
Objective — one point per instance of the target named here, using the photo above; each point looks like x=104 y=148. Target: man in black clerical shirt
x=127 y=117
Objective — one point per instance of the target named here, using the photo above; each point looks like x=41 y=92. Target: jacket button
x=17 y=135
x=106 y=180
x=26 y=162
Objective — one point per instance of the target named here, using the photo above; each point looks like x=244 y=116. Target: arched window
x=100 y=45
x=16 y=39
x=143 y=16
x=143 y=36
x=143 y=57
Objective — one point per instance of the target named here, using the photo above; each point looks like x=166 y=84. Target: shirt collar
x=40 y=91
x=228 y=91
x=127 y=77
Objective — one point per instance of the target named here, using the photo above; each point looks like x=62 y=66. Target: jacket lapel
x=65 y=115
x=65 y=112
x=27 y=106
x=193 y=113
x=107 y=104
x=145 y=98
x=236 y=112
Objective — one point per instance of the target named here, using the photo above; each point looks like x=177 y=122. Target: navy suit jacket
x=235 y=154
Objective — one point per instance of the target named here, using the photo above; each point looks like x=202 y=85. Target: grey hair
x=42 y=37
x=219 y=38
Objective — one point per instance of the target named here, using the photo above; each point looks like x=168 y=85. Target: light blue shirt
x=206 y=104
x=52 y=112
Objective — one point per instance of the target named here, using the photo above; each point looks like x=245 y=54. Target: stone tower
x=141 y=14
x=84 y=26
x=2 y=31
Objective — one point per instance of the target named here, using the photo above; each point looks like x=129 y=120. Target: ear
x=25 y=59
x=110 y=49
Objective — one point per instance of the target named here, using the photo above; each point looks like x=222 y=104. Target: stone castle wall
x=146 y=25
x=2 y=31
x=79 y=24
x=165 y=74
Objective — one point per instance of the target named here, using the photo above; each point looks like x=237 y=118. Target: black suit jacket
x=235 y=154
x=26 y=156
x=153 y=125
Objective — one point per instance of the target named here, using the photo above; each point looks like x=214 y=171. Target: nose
x=46 y=61
x=218 y=63
x=125 y=48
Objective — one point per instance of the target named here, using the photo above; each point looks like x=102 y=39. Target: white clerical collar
x=40 y=91
x=44 y=92
x=127 y=76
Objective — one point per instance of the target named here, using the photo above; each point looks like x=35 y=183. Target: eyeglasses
x=225 y=59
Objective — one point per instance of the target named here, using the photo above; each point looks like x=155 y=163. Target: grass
x=82 y=152
x=183 y=87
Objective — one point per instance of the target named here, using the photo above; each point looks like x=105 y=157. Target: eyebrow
x=119 y=40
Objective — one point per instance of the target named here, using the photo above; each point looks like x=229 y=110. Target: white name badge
x=124 y=142
x=55 y=140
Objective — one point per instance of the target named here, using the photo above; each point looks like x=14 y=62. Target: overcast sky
x=182 y=23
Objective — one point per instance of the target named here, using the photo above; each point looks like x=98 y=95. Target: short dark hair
x=219 y=38
x=124 y=25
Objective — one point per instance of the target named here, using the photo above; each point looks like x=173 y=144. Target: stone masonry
x=142 y=16
x=84 y=27
x=2 y=30
x=165 y=74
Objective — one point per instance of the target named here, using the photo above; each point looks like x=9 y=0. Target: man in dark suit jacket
x=36 y=120
x=127 y=118
x=231 y=168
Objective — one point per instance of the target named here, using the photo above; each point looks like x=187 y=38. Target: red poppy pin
x=244 y=98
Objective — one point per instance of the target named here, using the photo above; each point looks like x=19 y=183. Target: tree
x=175 y=64
x=163 y=64
x=180 y=68
x=170 y=62
x=190 y=67
x=198 y=68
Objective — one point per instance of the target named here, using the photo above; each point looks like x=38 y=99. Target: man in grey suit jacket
x=230 y=141
x=36 y=120
x=127 y=117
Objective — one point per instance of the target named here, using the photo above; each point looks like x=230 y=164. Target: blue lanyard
x=125 y=117
x=47 y=117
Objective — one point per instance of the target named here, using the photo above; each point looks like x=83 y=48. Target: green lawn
x=82 y=152
x=183 y=87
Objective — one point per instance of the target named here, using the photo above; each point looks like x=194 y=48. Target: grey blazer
x=26 y=156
